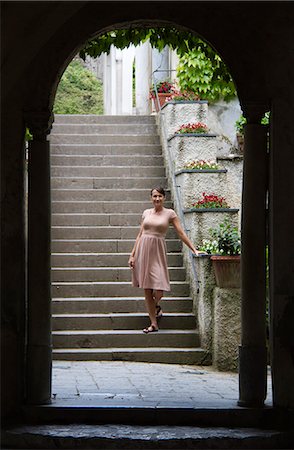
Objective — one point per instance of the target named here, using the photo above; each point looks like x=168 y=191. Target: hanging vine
x=200 y=70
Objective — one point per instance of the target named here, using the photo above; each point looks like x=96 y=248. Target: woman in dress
x=148 y=259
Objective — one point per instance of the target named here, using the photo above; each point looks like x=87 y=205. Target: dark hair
x=158 y=189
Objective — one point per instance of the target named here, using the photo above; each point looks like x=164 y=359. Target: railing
x=175 y=187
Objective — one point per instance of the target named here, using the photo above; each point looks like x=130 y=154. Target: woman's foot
x=158 y=311
x=150 y=329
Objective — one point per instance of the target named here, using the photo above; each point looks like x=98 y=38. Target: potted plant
x=193 y=128
x=201 y=164
x=225 y=250
x=210 y=201
x=183 y=96
x=239 y=126
x=164 y=89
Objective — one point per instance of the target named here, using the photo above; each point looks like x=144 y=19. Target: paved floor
x=104 y=383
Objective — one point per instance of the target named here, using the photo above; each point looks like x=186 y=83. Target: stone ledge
x=179 y=172
x=207 y=135
x=182 y=102
x=214 y=210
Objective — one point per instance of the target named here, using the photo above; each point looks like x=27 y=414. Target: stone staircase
x=102 y=170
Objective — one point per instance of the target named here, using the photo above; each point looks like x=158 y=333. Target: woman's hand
x=131 y=262
x=199 y=252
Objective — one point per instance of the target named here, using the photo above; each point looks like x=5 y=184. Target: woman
x=148 y=258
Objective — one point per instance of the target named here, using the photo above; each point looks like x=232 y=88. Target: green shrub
x=79 y=92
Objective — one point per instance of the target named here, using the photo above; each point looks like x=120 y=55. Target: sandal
x=150 y=329
x=158 y=312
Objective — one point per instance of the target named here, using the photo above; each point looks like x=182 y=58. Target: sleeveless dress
x=150 y=270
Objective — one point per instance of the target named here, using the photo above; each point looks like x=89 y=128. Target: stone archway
x=36 y=351
x=31 y=89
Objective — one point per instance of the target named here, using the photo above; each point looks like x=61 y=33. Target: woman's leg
x=150 y=305
x=157 y=295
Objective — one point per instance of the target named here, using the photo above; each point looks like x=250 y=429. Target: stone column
x=281 y=250
x=160 y=61
x=39 y=347
x=143 y=78
x=252 y=352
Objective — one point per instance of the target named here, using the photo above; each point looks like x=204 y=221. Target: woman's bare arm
x=182 y=235
x=131 y=261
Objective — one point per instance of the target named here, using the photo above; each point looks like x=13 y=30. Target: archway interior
x=112 y=367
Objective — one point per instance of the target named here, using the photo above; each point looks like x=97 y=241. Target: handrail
x=176 y=188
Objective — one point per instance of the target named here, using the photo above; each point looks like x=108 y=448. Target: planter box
x=162 y=100
x=201 y=220
x=178 y=113
x=227 y=271
x=234 y=167
x=193 y=183
x=189 y=147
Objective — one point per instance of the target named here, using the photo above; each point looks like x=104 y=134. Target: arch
x=259 y=75
x=57 y=53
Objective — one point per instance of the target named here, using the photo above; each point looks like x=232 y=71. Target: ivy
x=79 y=92
x=201 y=69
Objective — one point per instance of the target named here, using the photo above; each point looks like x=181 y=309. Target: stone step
x=105 y=128
x=96 y=232
x=103 y=194
x=103 y=219
x=105 y=274
x=106 y=305
x=103 y=259
x=127 y=321
x=151 y=427
x=109 y=160
x=124 y=338
x=110 y=288
x=164 y=355
x=103 y=139
x=92 y=118
x=107 y=171
x=106 y=149
x=104 y=246
x=135 y=182
x=92 y=206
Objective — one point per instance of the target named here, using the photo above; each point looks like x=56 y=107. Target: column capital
x=254 y=110
x=39 y=123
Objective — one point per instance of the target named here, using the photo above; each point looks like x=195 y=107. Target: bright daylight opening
x=138 y=109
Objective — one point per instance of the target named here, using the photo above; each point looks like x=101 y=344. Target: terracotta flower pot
x=240 y=141
x=162 y=98
x=227 y=271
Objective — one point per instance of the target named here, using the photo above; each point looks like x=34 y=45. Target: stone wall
x=217 y=309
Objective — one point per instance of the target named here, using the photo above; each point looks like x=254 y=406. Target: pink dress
x=150 y=271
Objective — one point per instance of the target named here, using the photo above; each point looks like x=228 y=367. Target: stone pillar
x=161 y=61
x=39 y=347
x=281 y=208
x=143 y=78
x=253 y=352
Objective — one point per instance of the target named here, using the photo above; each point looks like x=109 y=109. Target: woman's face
x=157 y=198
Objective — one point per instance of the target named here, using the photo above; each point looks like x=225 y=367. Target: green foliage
x=205 y=75
x=226 y=240
x=79 y=92
x=239 y=124
x=201 y=69
x=28 y=136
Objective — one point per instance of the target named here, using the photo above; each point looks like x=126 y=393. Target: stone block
x=179 y=113
x=199 y=222
x=226 y=328
x=187 y=148
x=204 y=301
x=193 y=184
